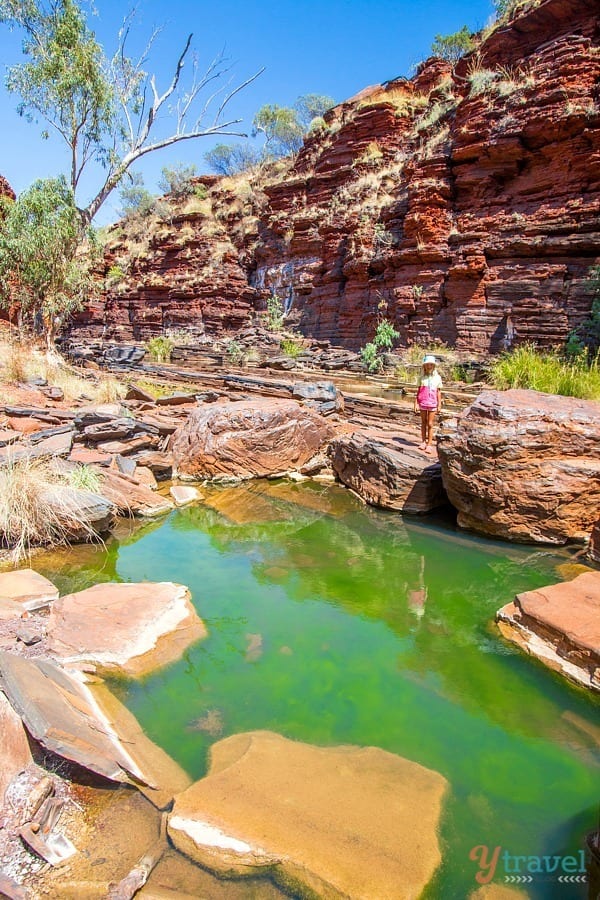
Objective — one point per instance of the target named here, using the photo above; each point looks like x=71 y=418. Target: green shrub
x=275 y=313
x=372 y=353
x=235 y=352
x=85 y=478
x=159 y=348
x=385 y=335
x=371 y=358
x=585 y=340
x=291 y=348
x=114 y=275
x=178 y=180
x=550 y=373
x=453 y=46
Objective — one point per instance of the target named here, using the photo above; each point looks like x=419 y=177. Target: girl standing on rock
x=428 y=401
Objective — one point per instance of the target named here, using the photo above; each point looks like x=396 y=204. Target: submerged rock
x=336 y=822
x=183 y=495
x=387 y=473
x=560 y=625
x=129 y=629
x=524 y=466
x=248 y=439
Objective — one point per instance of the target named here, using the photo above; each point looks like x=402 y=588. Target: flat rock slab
x=183 y=495
x=560 y=625
x=128 y=629
x=387 y=472
x=132 y=497
x=27 y=587
x=248 y=439
x=14 y=746
x=524 y=466
x=337 y=822
x=60 y=713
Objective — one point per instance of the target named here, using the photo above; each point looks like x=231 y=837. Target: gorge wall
x=460 y=204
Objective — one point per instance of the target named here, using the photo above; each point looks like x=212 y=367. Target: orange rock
x=124 y=628
x=248 y=439
x=560 y=625
x=524 y=466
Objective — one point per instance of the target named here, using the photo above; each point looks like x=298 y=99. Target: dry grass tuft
x=22 y=361
x=41 y=507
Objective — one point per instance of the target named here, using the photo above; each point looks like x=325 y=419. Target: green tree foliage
x=372 y=353
x=231 y=159
x=178 y=180
x=40 y=274
x=453 y=46
x=281 y=128
x=136 y=200
x=584 y=341
x=106 y=111
x=312 y=106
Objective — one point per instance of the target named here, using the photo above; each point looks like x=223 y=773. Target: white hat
x=429 y=360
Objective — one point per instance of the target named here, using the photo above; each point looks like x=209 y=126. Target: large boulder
x=248 y=439
x=560 y=625
x=127 y=629
x=387 y=473
x=524 y=466
x=332 y=822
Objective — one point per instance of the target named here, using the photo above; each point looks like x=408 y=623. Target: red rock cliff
x=5 y=189
x=449 y=202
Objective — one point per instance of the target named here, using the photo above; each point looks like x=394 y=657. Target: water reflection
x=333 y=623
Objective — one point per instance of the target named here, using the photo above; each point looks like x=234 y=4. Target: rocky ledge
x=385 y=469
x=524 y=466
x=560 y=626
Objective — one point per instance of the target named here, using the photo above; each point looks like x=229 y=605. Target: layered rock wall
x=463 y=205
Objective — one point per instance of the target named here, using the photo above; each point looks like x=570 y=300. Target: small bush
x=178 y=180
x=317 y=124
x=453 y=46
x=114 y=275
x=372 y=353
x=85 y=478
x=160 y=348
x=371 y=358
x=275 y=313
x=585 y=340
x=235 y=353
x=291 y=348
x=527 y=367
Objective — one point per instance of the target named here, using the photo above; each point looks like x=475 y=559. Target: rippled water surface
x=334 y=623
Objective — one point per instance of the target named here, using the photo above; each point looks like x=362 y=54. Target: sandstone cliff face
x=462 y=204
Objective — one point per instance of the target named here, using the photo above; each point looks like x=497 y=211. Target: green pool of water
x=333 y=623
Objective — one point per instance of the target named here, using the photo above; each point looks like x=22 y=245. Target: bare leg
x=429 y=428
x=424 y=414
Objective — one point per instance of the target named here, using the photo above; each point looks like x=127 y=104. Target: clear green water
x=334 y=623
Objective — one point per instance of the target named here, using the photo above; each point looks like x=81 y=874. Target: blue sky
x=335 y=47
